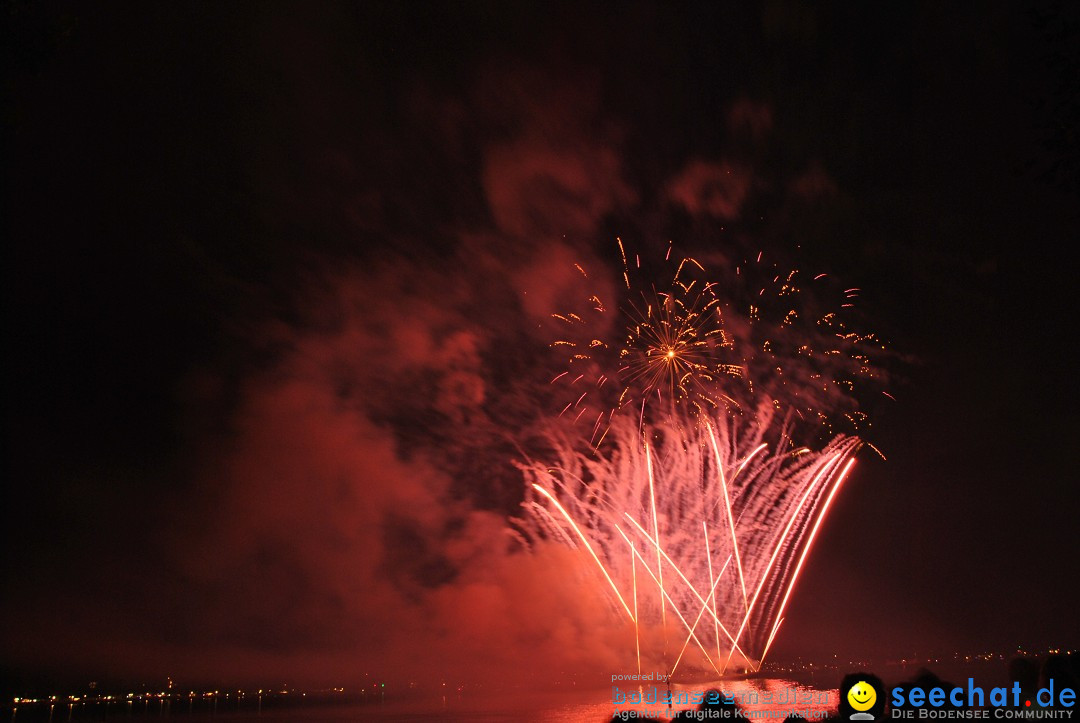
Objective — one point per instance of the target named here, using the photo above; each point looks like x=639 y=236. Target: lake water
x=767 y=700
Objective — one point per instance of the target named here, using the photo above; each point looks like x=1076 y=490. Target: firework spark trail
x=731 y=520
x=777 y=500
x=656 y=533
x=712 y=587
x=588 y=547
x=689 y=586
x=802 y=557
x=704 y=607
x=782 y=539
x=637 y=628
x=679 y=615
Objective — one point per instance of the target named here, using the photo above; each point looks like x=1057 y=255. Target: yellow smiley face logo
x=862 y=696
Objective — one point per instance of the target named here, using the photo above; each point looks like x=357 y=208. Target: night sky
x=268 y=329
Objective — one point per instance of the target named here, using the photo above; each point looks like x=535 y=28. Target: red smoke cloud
x=715 y=189
x=560 y=171
x=339 y=539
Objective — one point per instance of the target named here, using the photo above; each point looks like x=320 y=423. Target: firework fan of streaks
x=752 y=339
x=701 y=531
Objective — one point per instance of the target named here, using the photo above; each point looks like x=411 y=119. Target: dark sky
x=261 y=278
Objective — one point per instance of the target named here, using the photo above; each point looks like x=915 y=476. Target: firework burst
x=697 y=511
x=750 y=338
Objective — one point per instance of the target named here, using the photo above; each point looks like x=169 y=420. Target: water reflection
x=765 y=699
